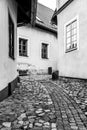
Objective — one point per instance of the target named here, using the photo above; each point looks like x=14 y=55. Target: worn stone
x=38 y=124
x=41 y=114
x=53 y=125
x=31 y=106
x=21 y=122
x=39 y=111
x=7 y=124
x=30 y=125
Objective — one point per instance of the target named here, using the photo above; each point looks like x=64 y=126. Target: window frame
x=76 y=47
x=11 y=33
x=26 y=42
x=44 y=57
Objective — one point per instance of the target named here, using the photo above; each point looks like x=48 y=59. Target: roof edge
x=63 y=7
x=46 y=28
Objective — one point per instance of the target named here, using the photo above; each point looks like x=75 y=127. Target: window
x=11 y=38
x=71 y=36
x=44 y=52
x=23 y=47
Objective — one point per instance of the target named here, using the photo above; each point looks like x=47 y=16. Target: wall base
x=7 y=91
x=73 y=78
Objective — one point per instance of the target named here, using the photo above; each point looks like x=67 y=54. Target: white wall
x=7 y=66
x=60 y=3
x=36 y=37
x=74 y=63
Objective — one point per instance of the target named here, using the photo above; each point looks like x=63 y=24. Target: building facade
x=9 y=18
x=8 y=36
x=72 y=19
x=37 y=47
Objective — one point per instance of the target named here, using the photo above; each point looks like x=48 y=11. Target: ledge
x=70 y=50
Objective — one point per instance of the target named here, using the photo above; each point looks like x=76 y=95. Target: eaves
x=40 y=26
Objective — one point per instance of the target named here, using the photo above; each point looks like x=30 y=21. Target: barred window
x=44 y=52
x=23 y=47
x=11 y=37
x=71 y=36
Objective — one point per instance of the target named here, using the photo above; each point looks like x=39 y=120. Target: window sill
x=70 y=50
x=45 y=58
x=24 y=56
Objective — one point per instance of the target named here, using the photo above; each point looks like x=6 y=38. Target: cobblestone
x=29 y=107
x=68 y=112
x=77 y=89
x=39 y=104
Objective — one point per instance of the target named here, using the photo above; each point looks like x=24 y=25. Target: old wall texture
x=74 y=63
x=7 y=66
x=35 y=38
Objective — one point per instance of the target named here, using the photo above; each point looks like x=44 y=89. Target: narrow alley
x=40 y=104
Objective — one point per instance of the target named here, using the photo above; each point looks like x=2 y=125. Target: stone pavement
x=28 y=108
x=77 y=89
x=40 y=106
x=69 y=115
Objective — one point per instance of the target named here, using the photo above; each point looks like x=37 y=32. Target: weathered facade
x=8 y=73
x=72 y=37
x=10 y=12
x=44 y=34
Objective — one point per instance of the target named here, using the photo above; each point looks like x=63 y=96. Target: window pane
x=74 y=24
x=68 y=34
x=68 y=46
x=19 y=46
x=68 y=40
x=44 y=50
x=71 y=35
x=73 y=31
x=75 y=37
x=24 y=42
x=23 y=46
x=68 y=28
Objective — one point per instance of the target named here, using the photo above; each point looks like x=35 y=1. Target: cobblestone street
x=69 y=115
x=29 y=108
x=39 y=104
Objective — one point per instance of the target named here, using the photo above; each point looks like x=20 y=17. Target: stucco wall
x=61 y=2
x=35 y=37
x=74 y=63
x=7 y=66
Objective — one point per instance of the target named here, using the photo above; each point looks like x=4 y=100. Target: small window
x=71 y=36
x=11 y=37
x=44 y=52
x=23 y=47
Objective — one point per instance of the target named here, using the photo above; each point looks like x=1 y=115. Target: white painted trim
x=28 y=45
x=48 y=43
x=75 y=18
